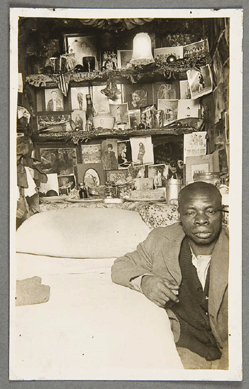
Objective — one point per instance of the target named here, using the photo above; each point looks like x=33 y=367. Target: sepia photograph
x=125 y=240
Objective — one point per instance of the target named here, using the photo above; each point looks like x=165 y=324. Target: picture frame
x=137 y=95
x=91 y=153
x=66 y=183
x=165 y=90
x=53 y=122
x=116 y=175
x=100 y=100
x=158 y=173
x=120 y=112
x=84 y=170
x=57 y=159
x=81 y=46
x=170 y=109
x=123 y=58
x=79 y=119
x=134 y=117
x=109 y=154
x=124 y=154
x=202 y=163
x=196 y=48
x=54 y=100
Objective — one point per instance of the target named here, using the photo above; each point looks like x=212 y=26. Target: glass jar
x=211 y=178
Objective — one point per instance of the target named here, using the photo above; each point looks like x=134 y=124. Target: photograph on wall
x=142 y=150
x=148 y=116
x=165 y=90
x=196 y=48
x=91 y=153
x=184 y=89
x=134 y=117
x=82 y=47
x=109 y=154
x=58 y=160
x=54 y=100
x=123 y=57
x=188 y=108
x=200 y=81
x=53 y=122
x=169 y=108
x=195 y=144
x=138 y=95
x=91 y=174
x=158 y=173
x=66 y=183
x=101 y=101
x=116 y=176
x=78 y=97
x=124 y=154
x=120 y=113
x=79 y=119
x=163 y=53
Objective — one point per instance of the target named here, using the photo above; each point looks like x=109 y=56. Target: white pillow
x=82 y=233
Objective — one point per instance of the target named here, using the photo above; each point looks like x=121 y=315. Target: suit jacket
x=159 y=255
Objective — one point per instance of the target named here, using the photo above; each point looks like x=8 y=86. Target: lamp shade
x=142 y=54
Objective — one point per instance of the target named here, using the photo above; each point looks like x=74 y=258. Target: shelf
x=186 y=127
x=133 y=74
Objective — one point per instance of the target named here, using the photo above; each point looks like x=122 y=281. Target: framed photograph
x=109 y=154
x=100 y=100
x=196 y=48
x=109 y=60
x=66 y=183
x=81 y=46
x=134 y=116
x=137 y=95
x=144 y=183
x=142 y=150
x=165 y=90
x=158 y=173
x=54 y=100
x=194 y=144
x=53 y=122
x=199 y=164
x=188 y=108
x=79 y=119
x=91 y=174
x=164 y=52
x=124 y=154
x=184 y=90
x=200 y=82
x=91 y=153
x=78 y=97
x=57 y=159
x=170 y=109
x=120 y=113
x=116 y=175
x=123 y=58
x=147 y=115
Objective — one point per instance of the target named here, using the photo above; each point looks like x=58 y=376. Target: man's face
x=200 y=216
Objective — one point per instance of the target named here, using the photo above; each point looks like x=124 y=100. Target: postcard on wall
x=109 y=154
x=165 y=90
x=91 y=153
x=188 y=108
x=195 y=144
x=82 y=46
x=165 y=52
x=184 y=89
x=124 y=154
x=159 y=173
x=138 y=95
x=121 y=115
x=142 y=150
x=79 y=119
x=196 y=48
x=123 y=57
x=170 y=109
x=200 y=81
x=134 y=116
x=78 y=97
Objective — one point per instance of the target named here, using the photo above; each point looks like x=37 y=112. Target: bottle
x=82 y=191
x=89 y=112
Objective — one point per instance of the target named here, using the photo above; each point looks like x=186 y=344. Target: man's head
x=109 y=147
x=54 y=94
x=200 y=213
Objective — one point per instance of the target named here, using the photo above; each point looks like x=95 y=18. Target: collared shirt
x=200 y=262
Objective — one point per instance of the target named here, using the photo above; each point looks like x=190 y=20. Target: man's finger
x=168 y=293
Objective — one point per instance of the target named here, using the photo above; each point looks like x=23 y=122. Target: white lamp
x=142 y=54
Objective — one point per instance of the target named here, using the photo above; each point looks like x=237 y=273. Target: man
x=183 y=268
x=55 y=104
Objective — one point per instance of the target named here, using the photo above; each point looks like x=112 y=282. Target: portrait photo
x=78 y=97
x=123 y=58
x=138 y=95
x=142 y=150
x=169 y=108
x=54 y=100
x=81 y=46
x=120 y=113
x=200 y=82
x=124 y=154
x=109 y=154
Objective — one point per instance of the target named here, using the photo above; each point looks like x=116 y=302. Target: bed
x=90 y=328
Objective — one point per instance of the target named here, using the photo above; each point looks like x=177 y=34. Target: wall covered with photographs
x=116 y=123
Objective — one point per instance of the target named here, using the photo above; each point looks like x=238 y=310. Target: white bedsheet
x=90 y=328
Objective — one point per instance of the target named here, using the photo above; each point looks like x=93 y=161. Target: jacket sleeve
x=136 y=263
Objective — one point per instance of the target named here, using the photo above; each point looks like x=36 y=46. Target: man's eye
x=211 y=211
x=190 y=213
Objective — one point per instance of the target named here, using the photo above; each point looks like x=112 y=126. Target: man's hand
x=159 y=290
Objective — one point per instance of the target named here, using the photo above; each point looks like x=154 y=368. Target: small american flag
x=63 y=83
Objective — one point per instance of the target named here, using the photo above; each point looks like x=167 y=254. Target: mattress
x=90 y=328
